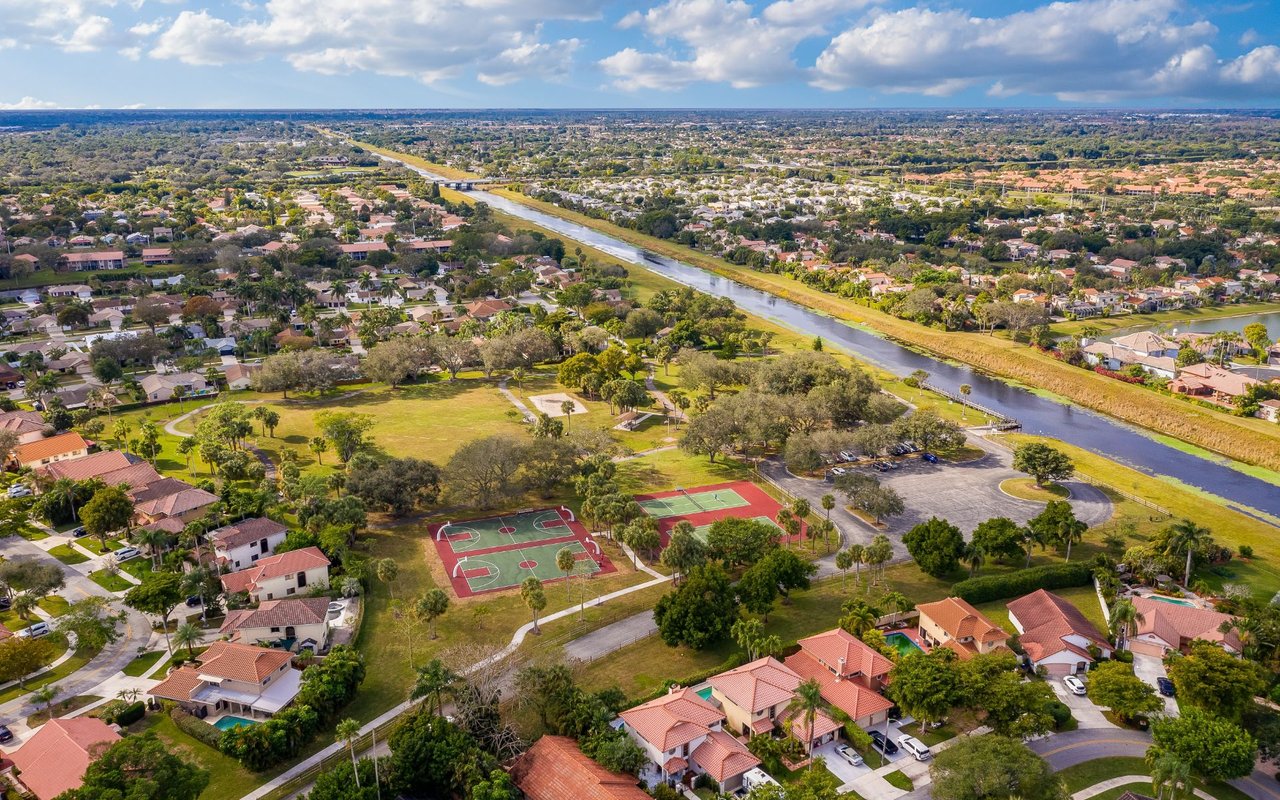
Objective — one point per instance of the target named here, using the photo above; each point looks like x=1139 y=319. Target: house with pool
x=849 y=672
x=1166 y=625
x=756 y=700
x=232 y=681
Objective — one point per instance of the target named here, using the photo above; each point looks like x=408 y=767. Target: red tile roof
x=246 y=580
x=721 y=756
x=93 y=465
x=246 y=531
x=53 y=446
x=555 y=769
x=672 y=720
x=1047 y=620
x=278 y=613
x=178 y=503
x=1176 y=624
x=54 y=760
x=849 y=696
x=961 y=620
x=761 y=684
x=842 y=651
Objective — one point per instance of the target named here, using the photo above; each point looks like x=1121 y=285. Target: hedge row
x=1024 y=581
x=126 y=715
x=196 y=728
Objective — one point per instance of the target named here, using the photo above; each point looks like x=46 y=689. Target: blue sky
x=603 y=53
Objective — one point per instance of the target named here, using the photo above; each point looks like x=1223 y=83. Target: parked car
x=19 y=490
x=1074 y=684
x=918 y=749
x=80 y=531
x=35 y=631
x=882 y=743
x=6 y=735
x=847 y=455
x=1166 y=687
x=126 y=553
x=6 y=603
x=194 y=601
x=882 y=466
x=850 y=755
x=838 y=471
x=930 y=457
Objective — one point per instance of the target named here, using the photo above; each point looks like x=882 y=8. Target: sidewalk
x=1124 y=780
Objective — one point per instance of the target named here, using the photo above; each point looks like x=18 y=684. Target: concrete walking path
x=1125 y=780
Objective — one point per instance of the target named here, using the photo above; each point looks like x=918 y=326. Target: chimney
x=840 y=669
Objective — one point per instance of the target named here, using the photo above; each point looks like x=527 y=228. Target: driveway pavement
x=846 y=772
x=1148 y=668
x=1082 y=708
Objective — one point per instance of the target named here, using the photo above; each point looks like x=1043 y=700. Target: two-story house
x=682 y=735
x=63 y=447
x=955 y=624
x=293 y=624
x=232 y=678
x=756 y=699
x=283 y=575
x=240 y=545
x=849 y=672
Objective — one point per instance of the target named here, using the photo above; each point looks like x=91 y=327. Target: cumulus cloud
x=1090 y=50
x=435 y=41
x=75 y=26
x=27 y=104
x=722 y=41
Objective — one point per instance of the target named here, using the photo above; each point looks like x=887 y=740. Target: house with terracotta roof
x=55 y=759
x=240 y=545
x=170 y=497
x=1164 y=628
x=28 y=425
x=955 y=624
x=233 y=678
x=94 y=260
x=292 y=624
x=63 y=447
x=683 y=736
x=756 y=699
x=1054 y=634
x=90 y=466
x=554 y=769
x=283 y=575
x=850 y=673
x=1211 y=381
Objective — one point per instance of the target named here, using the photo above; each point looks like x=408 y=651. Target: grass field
x=1091 y=773
x=110 y=582
x=1210 y=429
x=67 y=554
x=1110 y=325
x=1026 y=489
x=138 y=667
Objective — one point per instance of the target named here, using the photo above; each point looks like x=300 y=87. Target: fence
x=1004 y=422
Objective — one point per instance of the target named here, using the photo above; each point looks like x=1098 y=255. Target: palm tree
x=974 y=557
x=388 y=570
x=1167 y=770
x=188 y=636
x=128 y=695
x=45 y=695
x=566 y=408
x=859 y=619
x=828 y=503
x=154 y=540
x=433 y=681
x=965 y=389
x=1186 y=536
x=808 y=701
x=1124 y=620
x=859 y=555
x=349 y=731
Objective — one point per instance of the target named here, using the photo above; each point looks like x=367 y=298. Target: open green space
x=138 y=567
x=67 y=554
x=54 y=605
x=1091 y=773
x=1026 y=489
x=96 y=547
x=899 y=781
x=1121 y=323
x=139 y=666
x=77 y=660
x=229 y=780
x=110 y=581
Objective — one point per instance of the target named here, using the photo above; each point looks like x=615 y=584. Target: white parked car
x=849 y=754
x=125 y=553
x=19 y=490
x=915 y=747
x=1074 y=684
x=35 y=631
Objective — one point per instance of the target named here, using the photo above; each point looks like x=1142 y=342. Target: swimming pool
x=1162 y=599
x=705 y=693
x=902 y=643
x=229 y=722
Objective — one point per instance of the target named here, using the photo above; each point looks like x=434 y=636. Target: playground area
x=703 y=505
x=495 y=553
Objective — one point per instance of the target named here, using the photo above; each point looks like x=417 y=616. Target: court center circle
x=507 y=529
x=528 y=563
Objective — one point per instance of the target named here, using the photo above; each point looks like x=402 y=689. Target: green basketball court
x=702 y=531
x=507 y=568
x=504 y=531
x=686 y=504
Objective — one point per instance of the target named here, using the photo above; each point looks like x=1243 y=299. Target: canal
x=1039 y=415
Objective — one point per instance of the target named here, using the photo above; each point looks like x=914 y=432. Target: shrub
x=1024 y=581
x=1245 y=551
x=1123 y=656
x=126 y=715
x=197 y=729
x=1060 y=712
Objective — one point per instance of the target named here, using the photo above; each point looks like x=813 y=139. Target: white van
x=915 y=747
x=756 y=777
x=35 y=631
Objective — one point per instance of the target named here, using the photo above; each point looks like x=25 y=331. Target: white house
x=680 y=733
x=283 y=575
x=238 y=546
x=233 y=678
x=294 y=623
x=1055 y=634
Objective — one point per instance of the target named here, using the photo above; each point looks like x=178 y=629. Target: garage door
x=1147 y=649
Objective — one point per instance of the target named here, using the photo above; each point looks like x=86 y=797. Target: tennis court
x=495 y=553
x=509 y=529
x=682 y=503
x=702 y=531
x=504 y=569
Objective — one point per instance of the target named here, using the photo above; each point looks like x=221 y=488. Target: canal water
x=1081 y=427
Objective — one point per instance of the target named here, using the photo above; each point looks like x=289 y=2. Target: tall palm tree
x=433 y=681
x=965 y=389
x=859 y=554
x=349 y=731
x=188 y=636
x=1124 y=620
x=1167 y=770
x=1186 y=537
x=45 y=695
x=808 y=701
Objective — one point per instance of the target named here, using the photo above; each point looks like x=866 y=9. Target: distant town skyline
x=602 y=54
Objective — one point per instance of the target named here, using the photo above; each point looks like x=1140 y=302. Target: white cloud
x=722 y=41
x=1088 y=50
x=27 y=104
x=75 y=26
x=429 y=41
